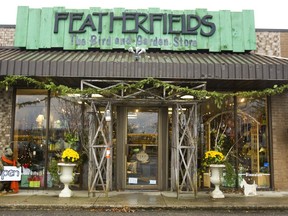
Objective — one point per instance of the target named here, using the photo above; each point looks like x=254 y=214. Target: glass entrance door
x=142 y=148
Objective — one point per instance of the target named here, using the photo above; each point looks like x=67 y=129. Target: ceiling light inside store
x=242 y=100
x=96 y=95
x=132 y=115
x=187 y=97
x=73 y=95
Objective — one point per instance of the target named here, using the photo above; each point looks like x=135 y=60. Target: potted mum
x=69 y=158
x=69 y=155
x=214 y=160
x=213 y=157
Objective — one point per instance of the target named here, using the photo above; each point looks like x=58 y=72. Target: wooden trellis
x=184 y=148
x=100 y=149
x=184 y=141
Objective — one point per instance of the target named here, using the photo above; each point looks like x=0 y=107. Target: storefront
x=137 y=132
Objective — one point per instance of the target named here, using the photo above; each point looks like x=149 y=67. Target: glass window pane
x=248 y=147
x=142 y=147
x=30 y=135
x=253 y=148
x=30 y=128
x=65 y=124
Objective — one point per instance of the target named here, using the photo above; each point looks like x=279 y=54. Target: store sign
x=139 y=20
x=10 y=173
x=149 y=28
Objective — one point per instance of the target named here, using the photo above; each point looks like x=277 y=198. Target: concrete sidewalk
x=46 y=199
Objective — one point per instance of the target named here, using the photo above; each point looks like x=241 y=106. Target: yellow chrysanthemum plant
x=69 y=155
x=212 y=157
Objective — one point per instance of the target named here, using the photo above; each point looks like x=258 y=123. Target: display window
x=30 y=135
x=44 y=126
x=238 y=129
x=254 y=165
x=65 y=124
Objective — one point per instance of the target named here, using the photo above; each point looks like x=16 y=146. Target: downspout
x=270 y=142
x=236 y=140
x=47 y=138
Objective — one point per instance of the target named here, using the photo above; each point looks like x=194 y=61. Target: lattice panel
x=184 y=152
x=100 y=149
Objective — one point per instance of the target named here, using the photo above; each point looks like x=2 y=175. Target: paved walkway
x=47 y=199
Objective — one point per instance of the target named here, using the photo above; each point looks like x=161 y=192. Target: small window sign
x=153 y=182
x=10 y=173
x=132 y=180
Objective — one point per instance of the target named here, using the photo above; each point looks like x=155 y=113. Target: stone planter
x=66 y=177
x=216 y=178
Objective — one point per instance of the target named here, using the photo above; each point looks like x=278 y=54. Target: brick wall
x=284 y=44
x=5 y=117
x=272 y=43
x=6 y=40
x=279 y=107
x=267 y=43
x=7 y=36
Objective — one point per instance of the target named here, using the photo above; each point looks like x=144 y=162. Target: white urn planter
x=66 y=177
x=216 y=178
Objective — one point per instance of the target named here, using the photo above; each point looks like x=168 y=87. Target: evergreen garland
x=218 y=97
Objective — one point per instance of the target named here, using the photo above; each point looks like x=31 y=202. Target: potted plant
x=71 y=139
x=215 y=161
x=69 y=155
x=69 y=158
